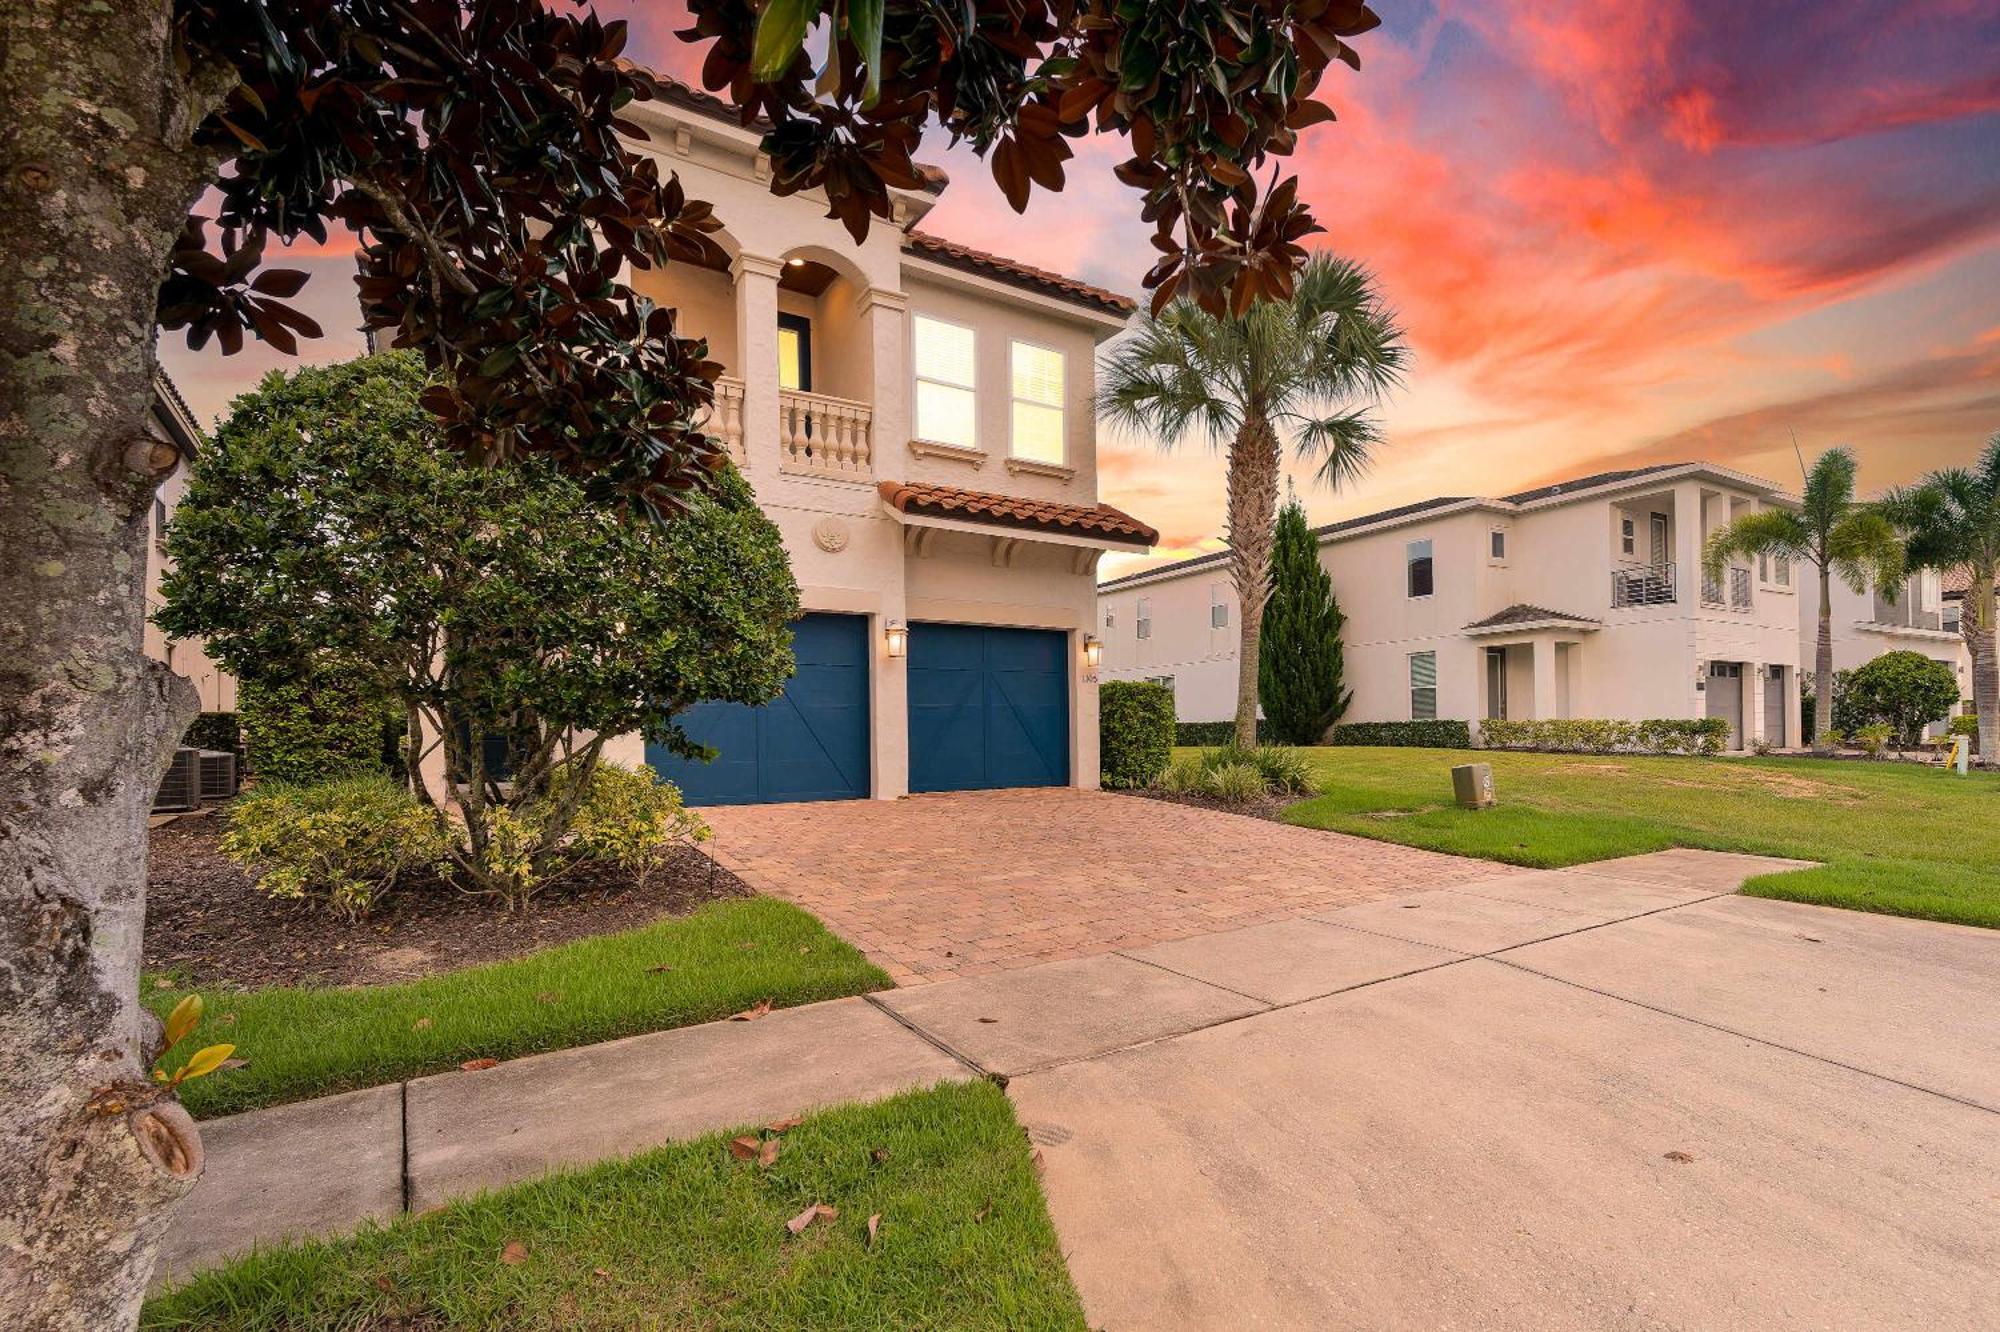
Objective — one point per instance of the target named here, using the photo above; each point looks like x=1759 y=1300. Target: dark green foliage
x=1905 y=691
x=1135 y=730
x=1299 y=662
x=1203 y=735
x=215 y=730
x=317 y=723
x=1577 y=735
x=1404 y=735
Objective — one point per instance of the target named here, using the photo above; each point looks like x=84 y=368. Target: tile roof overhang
x=1079 y=524
x=1957 y=582
x=1015 y=273
x=1522 y=617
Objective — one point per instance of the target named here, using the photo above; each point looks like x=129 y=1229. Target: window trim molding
x=917 y=378
x=1014 y=400
x=1409 y=563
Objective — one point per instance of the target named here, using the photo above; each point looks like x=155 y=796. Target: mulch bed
x=207 y=926
x=1266 y=807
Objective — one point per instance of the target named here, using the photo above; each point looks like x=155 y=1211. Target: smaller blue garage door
x=988 y=707
x=811 y=743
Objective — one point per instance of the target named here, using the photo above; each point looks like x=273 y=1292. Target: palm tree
x=1308 y=370
x=1833 y=532
x=1951 y=520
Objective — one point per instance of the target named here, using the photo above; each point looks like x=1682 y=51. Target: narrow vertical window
x=1038 y=403
x=1417 y=557
x=1218 y=608
x=946 y=358
x=1423 y=686
x=1142 y=620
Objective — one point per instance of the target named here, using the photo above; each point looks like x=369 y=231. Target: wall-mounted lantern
x=1093 y=651
x=896 y=639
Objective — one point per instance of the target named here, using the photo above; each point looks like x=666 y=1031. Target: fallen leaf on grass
x=479 y=1065
x=602 y=1273
x=421 y=1024
x=1680 y=1157
x=752 y=1014
x=234 y=1063
x=654 y=971
x=768 y=1153
x=874 y=1224
x=879 y=1155
x=979 y=1217
x=514 y=1253
x=785 y=1125
x=814 y=1213
x=547 y=997
x=743 y=1148
x=385 y=1285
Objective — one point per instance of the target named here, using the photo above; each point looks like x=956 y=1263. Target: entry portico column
x=1544 y=654
x=756 y=279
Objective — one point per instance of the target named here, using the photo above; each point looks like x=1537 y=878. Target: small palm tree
x=1951 y=519
x=1834 y=533
x=1307 y=370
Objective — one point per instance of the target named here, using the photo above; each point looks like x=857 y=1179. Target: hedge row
x=1135 y=732
x=215 y=731
x=1404 y=735
x=1661 y=735
x=1207 y=735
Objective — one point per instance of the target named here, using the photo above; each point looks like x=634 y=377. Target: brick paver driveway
x=935 y=887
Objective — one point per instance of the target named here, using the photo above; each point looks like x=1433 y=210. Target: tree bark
x=96 y=178
x=1823 y=666
x=1253 y=515
x=1977 y=625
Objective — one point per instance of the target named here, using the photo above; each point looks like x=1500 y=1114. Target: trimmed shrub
x=1135 y=732
x=1184 y=776
x=628 y=817
x=1203 y=735
x=215 y=730
x=1905 y=691
x=1965 y=724
x=1870 y=739
x=310 y=728
x=1299 y=658
x=345 y=844
x=1404 y=735
x=1662 y=735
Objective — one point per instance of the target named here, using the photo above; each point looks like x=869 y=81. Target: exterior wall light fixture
x=1093 y=651
x=896 y=639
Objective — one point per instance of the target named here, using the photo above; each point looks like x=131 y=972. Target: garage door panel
x=989 y=707
x=811 y=743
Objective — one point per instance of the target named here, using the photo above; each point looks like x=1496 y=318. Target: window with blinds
x=946 y=357
x=1038 y=403
x=1423 y=686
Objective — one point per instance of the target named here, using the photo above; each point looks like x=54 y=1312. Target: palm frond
x=1765 y=532
x=1863 y=547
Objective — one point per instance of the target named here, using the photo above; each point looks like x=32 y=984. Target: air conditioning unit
x=179 y=789
x=218 y=774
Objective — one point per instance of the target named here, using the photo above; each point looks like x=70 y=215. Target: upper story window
x=1496 y=545
x=1142 y=619
x=946 y=357
x=1218 y=608
x=1423 y=686
x=795 y=359
x=1781 y=570
x=1417 y=559
x=1628 y=536
x=1037 y=374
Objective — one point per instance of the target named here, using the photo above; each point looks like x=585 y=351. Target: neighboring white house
x=1923 y=618
x=917 y=418
x=171 y=421
x=1584 y=599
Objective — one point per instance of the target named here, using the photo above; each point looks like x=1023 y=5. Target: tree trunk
x=1977 y=624
x=1253 y=516
x=96 y=177
x=1823 y=667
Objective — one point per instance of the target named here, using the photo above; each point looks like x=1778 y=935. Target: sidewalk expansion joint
x=934 y=1042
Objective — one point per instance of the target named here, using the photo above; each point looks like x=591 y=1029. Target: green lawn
x=1895 y=838
x=723 y=959
x=691 y=1238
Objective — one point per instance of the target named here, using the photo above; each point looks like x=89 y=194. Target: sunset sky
x=1616 y=233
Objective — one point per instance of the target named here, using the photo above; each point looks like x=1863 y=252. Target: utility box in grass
x=1472 y=784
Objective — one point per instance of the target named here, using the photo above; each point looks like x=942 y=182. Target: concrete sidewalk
x=1616 y=1096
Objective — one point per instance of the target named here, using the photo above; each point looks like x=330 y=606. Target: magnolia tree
x=474 y=148
x=484 y=601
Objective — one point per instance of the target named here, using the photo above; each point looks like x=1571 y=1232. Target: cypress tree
x=1299 y=658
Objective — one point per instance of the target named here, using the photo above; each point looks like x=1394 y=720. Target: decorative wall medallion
x=830 y=535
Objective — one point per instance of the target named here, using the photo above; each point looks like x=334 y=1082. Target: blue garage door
x=811 y=743
x=988 y=707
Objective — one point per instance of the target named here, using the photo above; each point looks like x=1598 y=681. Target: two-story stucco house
x=917 y=418
x=1923 y=618
x=1579 y=600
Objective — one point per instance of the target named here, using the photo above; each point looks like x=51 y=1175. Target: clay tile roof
x=1016 y=273
x=980 y=506
x=1523 y=613
x=690 y=98
x=1957 y=582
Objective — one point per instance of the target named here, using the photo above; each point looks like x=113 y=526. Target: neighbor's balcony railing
x=725 y=419
x=1643 y=585
x=825 y=436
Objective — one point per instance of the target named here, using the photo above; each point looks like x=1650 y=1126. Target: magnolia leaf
x=479 y=1065
x=864 y=30
x=183 y=1020
x=743 y=1148
x=514 y=1253
x=781 y=31
x=762 y=1008
x=874 y=1224
x=205 y=1061
x=767 y=1155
